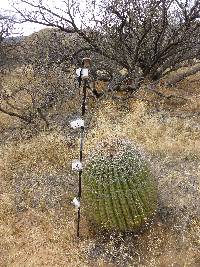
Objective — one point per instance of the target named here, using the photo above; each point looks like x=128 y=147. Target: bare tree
x=146 y=38
x=6 y=27
x=6 y=46
x=31 y=82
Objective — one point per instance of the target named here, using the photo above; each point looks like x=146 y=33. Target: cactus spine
x=119 y=190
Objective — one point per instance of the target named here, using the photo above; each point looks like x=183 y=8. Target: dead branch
x=14 y=114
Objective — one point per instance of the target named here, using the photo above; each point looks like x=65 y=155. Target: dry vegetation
x=37 y=221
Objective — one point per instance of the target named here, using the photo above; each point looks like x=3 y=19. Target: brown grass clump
x=5 y=121
x=41 y=153
x=157 y=133
x=35 y=239
x=38 y=170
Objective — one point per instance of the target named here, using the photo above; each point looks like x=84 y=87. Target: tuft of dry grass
x=36 y=239
x=157 y=133
x=5 y=121
x=41 y=153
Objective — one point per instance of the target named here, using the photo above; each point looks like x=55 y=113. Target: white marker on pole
x=77 y=123
x=78 y=72
x=76 y=165
x=84 y=73
x=76 y=203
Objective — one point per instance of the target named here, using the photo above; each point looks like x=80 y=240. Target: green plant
x=119 y=189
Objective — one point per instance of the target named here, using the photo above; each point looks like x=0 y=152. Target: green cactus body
x=119 y=191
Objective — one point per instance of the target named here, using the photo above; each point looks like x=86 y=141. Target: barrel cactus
x=119 y=189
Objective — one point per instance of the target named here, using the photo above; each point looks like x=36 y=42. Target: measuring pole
x=83 y=109
x=83 y=80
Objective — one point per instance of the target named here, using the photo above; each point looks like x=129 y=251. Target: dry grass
x=157 y=133
x=37 y=221
x=5 y=121
x=41 y=153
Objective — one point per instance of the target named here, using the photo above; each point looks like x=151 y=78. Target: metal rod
x=78 y=224
x=83 y=109
x=84 y=97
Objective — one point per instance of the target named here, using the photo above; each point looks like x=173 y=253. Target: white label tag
x=84 y=73
x=76 y=165
x=78 y=72
x=77 y=123
x=76 y=203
